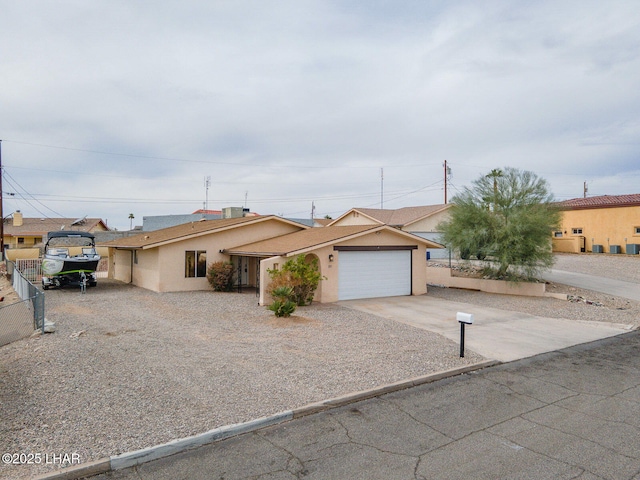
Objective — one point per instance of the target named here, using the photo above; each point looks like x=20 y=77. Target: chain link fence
x=20 y=319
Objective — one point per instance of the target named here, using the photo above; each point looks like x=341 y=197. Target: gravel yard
x=129 y=368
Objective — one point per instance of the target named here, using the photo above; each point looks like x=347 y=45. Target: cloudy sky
x=115 y=107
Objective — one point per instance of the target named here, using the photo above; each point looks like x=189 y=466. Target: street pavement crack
x=369 y=445
x=417 y=420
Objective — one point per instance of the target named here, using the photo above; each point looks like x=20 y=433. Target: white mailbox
x=464 y=317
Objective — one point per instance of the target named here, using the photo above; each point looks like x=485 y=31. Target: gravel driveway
x=129 y=368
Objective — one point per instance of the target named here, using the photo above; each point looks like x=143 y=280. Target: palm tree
x=495 y=174
x=131 y=217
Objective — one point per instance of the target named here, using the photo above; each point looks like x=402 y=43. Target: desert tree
x=506 y=219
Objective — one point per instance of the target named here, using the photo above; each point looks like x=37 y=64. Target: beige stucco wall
x=328 y=290
x=442 y=276
x=27 y=241
x=429 y=224
x=162 y=269
x=120 y=265
x=22 y=253
x=147 y=272
x=603 y=226
x=567 y=245
x=354 y=218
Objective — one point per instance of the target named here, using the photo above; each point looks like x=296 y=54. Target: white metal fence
x=32 y=268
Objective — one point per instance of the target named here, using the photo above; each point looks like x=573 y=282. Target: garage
x=374 y=273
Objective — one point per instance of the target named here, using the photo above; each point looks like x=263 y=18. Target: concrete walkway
x=610 y=286
x=496 y=334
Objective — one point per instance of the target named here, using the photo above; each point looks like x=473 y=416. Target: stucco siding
x=428 y=224
x=355 y=218
x=603 y=226
x=170 y=262
x=121 y=265
x=146 y=272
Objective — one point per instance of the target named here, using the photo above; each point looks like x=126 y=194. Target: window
x=636 y=230
x=195 y=263
x=557 y=234
x=20 y=239
x=576 y=231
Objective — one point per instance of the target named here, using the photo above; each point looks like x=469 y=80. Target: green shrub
x=282 y=305
x=220 y=276
x=301 y=275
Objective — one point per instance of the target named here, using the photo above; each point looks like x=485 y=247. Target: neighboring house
x=421 y=221
x=608 y=223
x=311 y=222
x=357 y=261
x=157 y=222
x=20 y=232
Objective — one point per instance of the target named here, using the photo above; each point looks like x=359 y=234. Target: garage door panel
x=370 y=274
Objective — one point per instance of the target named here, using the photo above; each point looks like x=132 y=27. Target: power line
x=27 y=201
x=211 y=162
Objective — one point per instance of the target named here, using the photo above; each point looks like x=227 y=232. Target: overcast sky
x=115 y=107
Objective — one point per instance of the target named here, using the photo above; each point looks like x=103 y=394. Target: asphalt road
x=573 y=413
x=611 y=286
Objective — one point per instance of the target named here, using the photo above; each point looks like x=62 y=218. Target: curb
x=138 y=457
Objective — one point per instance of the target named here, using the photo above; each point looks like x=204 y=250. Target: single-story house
x=602 y=224
x=22 y=232
x=357 y=261
x=421 y=221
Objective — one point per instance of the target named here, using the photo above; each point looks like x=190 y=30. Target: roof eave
x=593 y=207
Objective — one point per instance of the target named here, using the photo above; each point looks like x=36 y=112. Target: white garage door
x=370 y=274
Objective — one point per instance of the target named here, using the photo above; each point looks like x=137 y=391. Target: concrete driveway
x=495 y=334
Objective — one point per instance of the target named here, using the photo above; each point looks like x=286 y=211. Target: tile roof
x=402 y=216
x=309 y=239
x=42 y=226
x=179 y=232
x=603 y=201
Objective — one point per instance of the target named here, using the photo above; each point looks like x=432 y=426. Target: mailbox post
x=463 y=319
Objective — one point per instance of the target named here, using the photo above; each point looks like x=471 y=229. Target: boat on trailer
x=70 y=258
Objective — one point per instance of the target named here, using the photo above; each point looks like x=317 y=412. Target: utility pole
x=447 y=174
x=585 y=189
x=207 y=184
x=445 y=181
x=313 y=211
x=381 y=188
x=1 y=213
